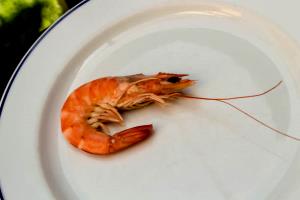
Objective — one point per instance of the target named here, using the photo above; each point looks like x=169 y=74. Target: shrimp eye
x=174 y=79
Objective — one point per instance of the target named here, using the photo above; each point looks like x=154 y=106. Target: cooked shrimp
x=90 y=107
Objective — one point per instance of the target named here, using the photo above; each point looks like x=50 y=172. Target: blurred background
x=21 y=23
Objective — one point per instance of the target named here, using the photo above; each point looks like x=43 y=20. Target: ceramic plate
x=200 y=149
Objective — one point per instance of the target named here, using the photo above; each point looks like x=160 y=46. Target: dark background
x=17 y=36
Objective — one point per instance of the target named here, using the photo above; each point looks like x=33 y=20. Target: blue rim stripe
x=1 y=196
x=20 y=65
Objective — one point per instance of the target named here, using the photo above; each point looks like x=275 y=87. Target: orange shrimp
x=87 y=110
x=90 y=107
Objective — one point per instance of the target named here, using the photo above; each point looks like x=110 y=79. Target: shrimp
x=90 y=107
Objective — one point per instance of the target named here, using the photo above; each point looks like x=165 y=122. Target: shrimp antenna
x=237 y=97
x=259 y=121
x=222 y=100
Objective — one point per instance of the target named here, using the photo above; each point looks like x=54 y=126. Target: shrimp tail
x=129 y=137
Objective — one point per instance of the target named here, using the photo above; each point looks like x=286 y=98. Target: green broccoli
x=51 y=10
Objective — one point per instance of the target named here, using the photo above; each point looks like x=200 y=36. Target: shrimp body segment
x=90 y=107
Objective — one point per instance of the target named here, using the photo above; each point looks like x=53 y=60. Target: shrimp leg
x=140 y=101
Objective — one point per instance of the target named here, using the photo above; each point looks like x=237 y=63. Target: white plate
x=200 y=150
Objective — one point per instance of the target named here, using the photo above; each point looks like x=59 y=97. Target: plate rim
x=25 y=57
x=31 y=49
